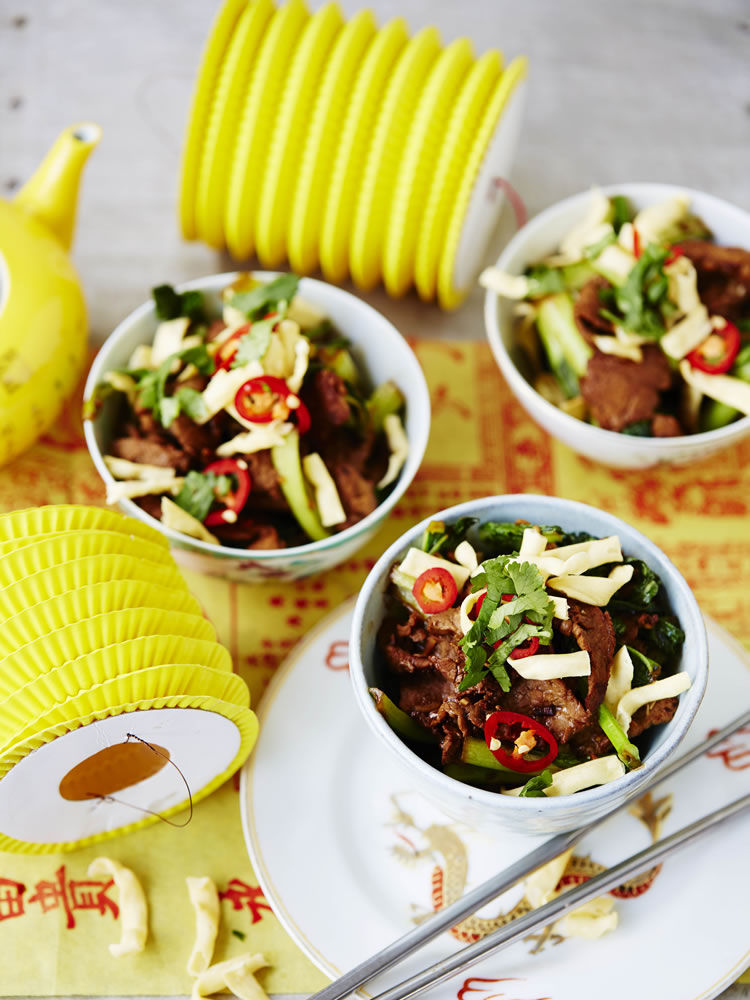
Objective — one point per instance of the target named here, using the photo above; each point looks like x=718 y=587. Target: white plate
x=349 y=855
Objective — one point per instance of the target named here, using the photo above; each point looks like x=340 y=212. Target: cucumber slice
x=286 y=461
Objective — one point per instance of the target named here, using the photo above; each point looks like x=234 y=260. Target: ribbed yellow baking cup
x=449 y=296
x=321 y=145
x=47 y=651
x=21 y=524
x=213 y=54
x=81 y=573
x=243 y=718
x=351 y=154
x=117 y=658
x=288 y=138
x=256 y=124
x=384 y=158
x=85 y=602
x=458 y=136
x=221 y=130
x=420 y=155
x=46 y=698
x=54 y=549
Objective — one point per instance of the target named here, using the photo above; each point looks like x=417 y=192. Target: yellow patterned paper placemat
x=482 y=442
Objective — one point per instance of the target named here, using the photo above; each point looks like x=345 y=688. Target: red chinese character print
x=11 y=898
x=337 y=657
x=74 y=894
x=734 y=751
x=245 y=897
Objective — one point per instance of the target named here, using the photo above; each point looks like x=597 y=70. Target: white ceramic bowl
x=491 y=810
x=383 y=354
x=540 y=237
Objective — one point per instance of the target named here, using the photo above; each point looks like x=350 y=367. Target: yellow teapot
x=43 y=324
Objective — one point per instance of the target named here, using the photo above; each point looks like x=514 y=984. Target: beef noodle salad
x=251 y=425
x=529 y=660
x=639 y=322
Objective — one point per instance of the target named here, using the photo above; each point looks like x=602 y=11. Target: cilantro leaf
x=505 y=625
x=254 y=344
x=152 y=385
x=644 y=668
x=534 y=787
x=169 y=304
x=258 y=301
x=621 y=212
x=544 y=280
x=642 y=300
x=199 y=491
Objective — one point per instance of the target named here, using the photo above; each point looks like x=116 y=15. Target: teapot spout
x=51 y=194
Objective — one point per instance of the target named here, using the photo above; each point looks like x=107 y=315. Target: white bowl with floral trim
x=539 y=238
x=383 y=354
x=492 y=810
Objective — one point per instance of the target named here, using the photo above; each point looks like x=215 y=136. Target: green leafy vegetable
x=506 y=536
x=667 y=637
x=199 y=491
x=169 y=304
x=644 y=668
x=534 y=787
x=640 y=593
x=544 y=280
x=254 y=344
x=625 y=750
x=592 y=252
x=263 y=299
x=621 y=212
x=385 y=398
x=443 y=538
x=641 y=428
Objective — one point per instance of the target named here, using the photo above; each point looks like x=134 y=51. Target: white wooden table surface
x=638 y=90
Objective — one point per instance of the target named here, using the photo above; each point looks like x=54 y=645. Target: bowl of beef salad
x=620 y=318
x=528 y=660
x=265 y=424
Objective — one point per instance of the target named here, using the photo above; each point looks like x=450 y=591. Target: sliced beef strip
x=151 y=504
x=619 y=392
x=592 y=629
x=723 y=277
x=265 y=492
x=151 y=451
x=652 y=714
x=356 y=491
x=198 y=441
x=535 y=698
x=249 y=533
x=325 y=396
x=587 y=309
x=591 y=742
x=663 y=425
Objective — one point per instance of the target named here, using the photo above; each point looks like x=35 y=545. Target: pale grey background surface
x=638 y=90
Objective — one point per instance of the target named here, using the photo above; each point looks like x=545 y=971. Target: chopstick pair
x=549 y=912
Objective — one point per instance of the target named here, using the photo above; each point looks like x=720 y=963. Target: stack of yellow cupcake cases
x=117 y=703
x=360 y=151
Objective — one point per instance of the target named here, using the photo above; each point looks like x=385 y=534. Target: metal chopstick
x=503 y=880
x=563 y=903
